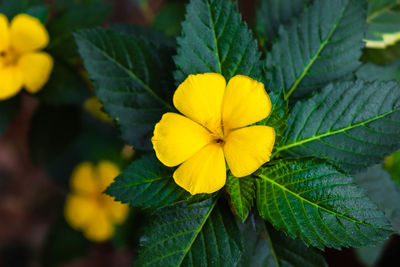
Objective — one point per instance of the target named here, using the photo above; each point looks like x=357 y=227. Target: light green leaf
x=383 y=23
x=271 y=14
x=266 y=247
x=133 y=80
x=351 y=124
x=203 y=234
x=372 y=72
x=242 y=192
x=146 y=183
x=313 y=201
x=214 y=39
x=383 y=190
x=8 y=110
x=322 y=45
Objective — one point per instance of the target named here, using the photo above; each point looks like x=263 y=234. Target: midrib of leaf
x=198 y=230
x=215 y=37
x=380 y=11
x=316 y=137
x=316 y=205
x=315 y=57
x=142 y=182
x=133 y=75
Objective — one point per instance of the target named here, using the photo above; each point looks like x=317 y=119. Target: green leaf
x=65 y=86
x=266 y=247
x=191 y=235
x=169 y=19
x=372 y=72
x=278 y=116
x=146 y=183
x=322 y=45
x=242 y=192
x=40 y=11
x=383 y=190
x=14 y=7
x=383 y=21
x=8 y=111
x=392 y=165
x=271 y=14
x=72 y=17
x=214 y=39
x=133 y=80
x=351 y=124
x=313 y=201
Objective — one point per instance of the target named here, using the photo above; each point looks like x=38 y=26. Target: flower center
x=8 y=57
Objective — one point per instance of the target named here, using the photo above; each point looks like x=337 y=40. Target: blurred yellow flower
x=94 y=107
x=214 y=130
x=21 y=62
x=87 y=208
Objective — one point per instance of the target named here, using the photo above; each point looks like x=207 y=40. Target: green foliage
x=214 y=39
x=372 y=72
x=317 y=47
x=383 y=191
x=14 y=7
x=146 y=183
x=169 y=19
x=271 y=14
x=383 y=18
x=392 y=165
x=133 y=80
x=40 y=11
x=265 y=247
x=242 y=192
x=352 y=124
x=312 y=200
x=191 y=235
x=8 y=110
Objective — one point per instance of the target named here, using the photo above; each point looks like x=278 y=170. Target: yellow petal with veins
x=199 y=98
x=4 y=34
x=36 y=68
x=246 y=149
x=204 y=172
x=10 y=81
x=245 y=102
x=27 y=34
x=176 y=138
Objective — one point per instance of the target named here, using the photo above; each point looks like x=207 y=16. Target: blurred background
x=48 y=135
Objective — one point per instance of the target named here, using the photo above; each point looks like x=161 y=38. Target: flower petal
x=200 y=97
x=106 y=172
x=205 y=172
x=36 y=68
x=176 y=138
x=117 y=211
x=28 y=34
x=79 y=210
x=83 y=180
x=4 y=34
x=10 y=81
x=245 y=102
x=246 y=149
x=100 y=228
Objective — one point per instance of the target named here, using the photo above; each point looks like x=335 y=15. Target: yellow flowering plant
x=220 y=127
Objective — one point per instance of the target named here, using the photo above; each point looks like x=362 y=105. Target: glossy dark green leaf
x=311 y=200
x=8 y=110
x=318 y=47
x=242 y=192
x=202 y=234
x=146 y=183
x=214 y=39
x=351 y=124
x=133 y=80
x=271 y=14
x=264 y=246
x=372 y=72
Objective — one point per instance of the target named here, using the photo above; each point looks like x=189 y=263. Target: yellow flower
x=87 y=208
x=214 y=130
x=21 y=62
